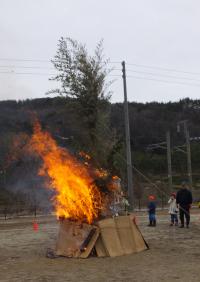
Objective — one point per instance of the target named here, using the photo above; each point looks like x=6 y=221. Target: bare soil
x=174 y=254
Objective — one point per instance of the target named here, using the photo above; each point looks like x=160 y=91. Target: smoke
x=22 y=179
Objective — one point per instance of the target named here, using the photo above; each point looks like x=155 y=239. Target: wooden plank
x=90 y=245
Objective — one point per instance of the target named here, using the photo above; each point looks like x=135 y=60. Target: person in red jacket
x=184 y=201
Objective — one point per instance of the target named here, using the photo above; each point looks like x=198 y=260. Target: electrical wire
x=25 y=67
x=164 y=81
x=154 y=78
x=163 y=75
x=162 y=68
x=111 y=75
x=27 y=73
x=24 y=60
x=109 y=62
x=41 y=60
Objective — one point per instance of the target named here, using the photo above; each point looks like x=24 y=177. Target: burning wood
x=76 y=195
x=81 y=199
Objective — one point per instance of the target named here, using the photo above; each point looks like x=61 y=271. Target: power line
x=24 y=67
x=109 y=62
x=136 y=77
x=164 y=81
x=113 y=62
x=164 y=75
x=26 y=73
x=114 y=75
x=40 y=73
x=24 y=60
x=160 y=75
x=163 y=69
x=42 y=60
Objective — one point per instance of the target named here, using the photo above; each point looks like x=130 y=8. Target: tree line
x=148 y=125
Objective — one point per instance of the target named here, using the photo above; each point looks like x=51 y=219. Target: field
x=173 y=255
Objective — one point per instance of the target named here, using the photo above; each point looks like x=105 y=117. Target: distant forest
x=149 y=123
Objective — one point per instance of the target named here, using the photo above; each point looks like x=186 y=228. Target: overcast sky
x=159 y=39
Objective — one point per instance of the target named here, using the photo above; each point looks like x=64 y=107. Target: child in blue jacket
x=152 y=211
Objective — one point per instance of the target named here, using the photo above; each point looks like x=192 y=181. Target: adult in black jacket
x=184 y=200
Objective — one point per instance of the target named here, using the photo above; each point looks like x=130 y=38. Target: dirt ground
x=174 y=254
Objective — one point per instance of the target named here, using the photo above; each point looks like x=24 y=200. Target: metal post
x=169 y=161
x=128 y=146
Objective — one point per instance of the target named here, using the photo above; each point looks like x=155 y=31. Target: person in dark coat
x=184 y=201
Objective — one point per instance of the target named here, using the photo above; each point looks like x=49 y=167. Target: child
x=152 y=211
x=173 y=210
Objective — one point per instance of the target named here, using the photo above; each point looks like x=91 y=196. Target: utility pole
x=189 y=165
x=188 y=150
x=128 y=145
x=169 y=160
x=166 y=146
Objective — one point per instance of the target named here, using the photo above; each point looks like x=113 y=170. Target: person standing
x=173 y=210
x=152 y=211
x=184 y=201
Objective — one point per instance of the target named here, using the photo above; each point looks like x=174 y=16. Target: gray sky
x=162 y=34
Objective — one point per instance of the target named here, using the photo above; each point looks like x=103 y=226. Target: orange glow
x=76 y=195
x=101 y=173
x=115 y=177
x=84 y=155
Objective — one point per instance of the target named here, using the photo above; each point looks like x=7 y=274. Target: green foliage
x=82 y=78
x=117 y=160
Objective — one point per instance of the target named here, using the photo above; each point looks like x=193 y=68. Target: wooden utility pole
x=189 y=165
x=169 y=160
x=188 y=150
x=128 y=145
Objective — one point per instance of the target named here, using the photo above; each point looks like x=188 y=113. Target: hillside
x=148 y=125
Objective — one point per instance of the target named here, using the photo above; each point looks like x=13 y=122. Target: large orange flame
x=76 y=196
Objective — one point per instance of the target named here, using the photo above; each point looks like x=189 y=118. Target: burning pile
x=79 y=204
x=76 y=195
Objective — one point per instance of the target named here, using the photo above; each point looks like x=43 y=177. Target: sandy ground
x=174 y=254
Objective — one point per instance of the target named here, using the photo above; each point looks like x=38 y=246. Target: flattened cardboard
x=112 y=237
x=100 y=248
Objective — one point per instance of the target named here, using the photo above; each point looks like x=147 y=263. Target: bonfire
x=88 y=215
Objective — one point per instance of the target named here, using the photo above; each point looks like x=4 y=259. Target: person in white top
x=173 y=209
